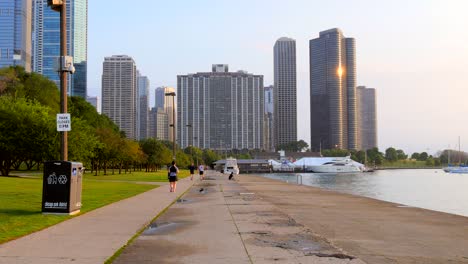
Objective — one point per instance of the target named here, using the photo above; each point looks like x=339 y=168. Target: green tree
x=401 y=154
x=423 y=156
x=294 y=146
x=27 y=132
x=375 y=156
x=209 y=156
x=415 y=156
x=391 y=154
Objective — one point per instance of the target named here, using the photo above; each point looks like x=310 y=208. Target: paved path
x=218 y=221
x=92 y=237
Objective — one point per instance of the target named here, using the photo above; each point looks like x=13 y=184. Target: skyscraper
x=269 y=119
x=333 y=91
x=143 y=107
x=158 y=124
x=15 y=33
x=119 y=92
x=166 y=104
x=285 y=108
x=367 y=117
x=46 y=42
x=225 y=110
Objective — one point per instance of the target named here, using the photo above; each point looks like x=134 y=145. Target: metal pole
x=63 y=79
x=173 y=128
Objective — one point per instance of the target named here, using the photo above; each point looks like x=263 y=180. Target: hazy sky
x=415 y=53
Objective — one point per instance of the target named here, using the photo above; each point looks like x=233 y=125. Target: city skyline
x=429 y=64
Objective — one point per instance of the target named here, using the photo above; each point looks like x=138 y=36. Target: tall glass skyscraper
x=143 y=106
x=46 y=42
x=15 y=33
x=333 y=114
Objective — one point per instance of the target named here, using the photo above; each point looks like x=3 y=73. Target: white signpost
x=63 y=122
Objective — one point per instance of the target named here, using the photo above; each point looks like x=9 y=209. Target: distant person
x=192 y=171
x=201 y=170
x=173 y=170
x=231 y=176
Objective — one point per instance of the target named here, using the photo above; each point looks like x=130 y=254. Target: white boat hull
x=334 y=169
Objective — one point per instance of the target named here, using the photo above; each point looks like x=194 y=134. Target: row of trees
x=29 y=103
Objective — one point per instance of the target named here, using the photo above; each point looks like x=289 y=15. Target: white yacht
x=337 y=165
x=231 y=166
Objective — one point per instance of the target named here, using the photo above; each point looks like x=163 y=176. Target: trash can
x=61 y=187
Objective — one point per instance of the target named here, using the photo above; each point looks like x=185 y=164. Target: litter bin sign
x=61 y=187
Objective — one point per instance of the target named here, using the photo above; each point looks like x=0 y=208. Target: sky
x=414 y=53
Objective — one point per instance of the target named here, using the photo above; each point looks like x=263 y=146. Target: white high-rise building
x=220 y=109
x=119 y=92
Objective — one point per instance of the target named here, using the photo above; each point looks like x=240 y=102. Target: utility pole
x=173 y=94
x=65 y=64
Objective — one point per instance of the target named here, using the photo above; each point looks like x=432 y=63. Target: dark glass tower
x=333 y=91
x=285 y=106
x=15 y=33
x=46 y=42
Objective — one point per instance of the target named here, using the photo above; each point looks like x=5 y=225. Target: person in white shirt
x=201 y=170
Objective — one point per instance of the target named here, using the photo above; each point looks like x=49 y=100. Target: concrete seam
x=138 y=233
x=237 y=228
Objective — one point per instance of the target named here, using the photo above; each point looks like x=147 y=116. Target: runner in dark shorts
x=201 y=170
x=192 y=171
x=173 y=170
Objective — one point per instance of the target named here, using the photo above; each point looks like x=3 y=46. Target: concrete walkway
x=92 y=237
x=218 y=221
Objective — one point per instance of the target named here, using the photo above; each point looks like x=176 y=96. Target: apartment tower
x=119 y=93
x=333 y=114
x=220 y=109
x=367 y=117
x=285 y=90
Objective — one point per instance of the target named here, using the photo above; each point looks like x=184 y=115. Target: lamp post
x=65 y=65
x=189 y=126
x=173 y=94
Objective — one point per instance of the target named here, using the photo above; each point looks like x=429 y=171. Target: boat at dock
x=330 y=165
x=231 y=166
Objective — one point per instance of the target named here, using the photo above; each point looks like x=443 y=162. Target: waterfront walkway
x=250 y=220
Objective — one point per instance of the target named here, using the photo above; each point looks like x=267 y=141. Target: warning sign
x=63 y=122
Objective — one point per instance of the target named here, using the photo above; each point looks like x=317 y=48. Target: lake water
x=429 y=188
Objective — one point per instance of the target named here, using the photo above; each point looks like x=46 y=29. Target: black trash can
x=61 y=187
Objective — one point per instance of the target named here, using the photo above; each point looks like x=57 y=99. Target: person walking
x=173 y=170
x=192 y=171
x=201 y=170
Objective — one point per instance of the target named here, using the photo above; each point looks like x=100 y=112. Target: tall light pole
x=65 y=65
x=173 y=94
x=189 y=126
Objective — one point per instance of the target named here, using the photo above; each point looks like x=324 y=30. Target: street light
x=173 y=94
x=66 y=65
x=191 y=140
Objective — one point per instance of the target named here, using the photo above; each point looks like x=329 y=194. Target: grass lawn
x=20 y=201
x=159 y=176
